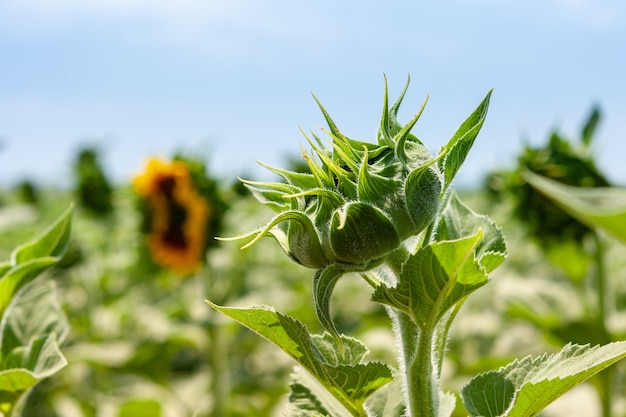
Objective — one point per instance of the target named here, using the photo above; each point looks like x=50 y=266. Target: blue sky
x=232 y=79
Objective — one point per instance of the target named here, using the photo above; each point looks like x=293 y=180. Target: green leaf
x=488 y=395
x=51 y=243
x=140 y=408
x=384 y=130
x=26 y=365
x=590 y=126
x=434 y=279
x=401 y=137
x=601 y=207
x=323 y=287
x=32 y=329
x=20 y=275
x=462 y=141
x=295 y=179
x=32 y=258
x=349 y=382
x=387 y=401
x=459 y=221
x=447 y=403
x=308 y=398
x=537 y=382
x=33 y=313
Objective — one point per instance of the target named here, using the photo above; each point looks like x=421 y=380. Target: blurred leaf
x=32 y=258
x=571 y=257
x=340 y=371
x=140 y=408
x=32 y=323
x=33 y=313
x=32 y=329
x=50 y=243
x=18 y=276
x=589 y=129
x=525 y=387
x=26 y=365
x=602 y=207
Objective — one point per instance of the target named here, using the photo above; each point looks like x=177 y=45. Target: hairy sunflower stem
x=422 y=377
x=417 y=366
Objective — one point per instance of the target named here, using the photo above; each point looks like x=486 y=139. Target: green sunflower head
x=359 y=201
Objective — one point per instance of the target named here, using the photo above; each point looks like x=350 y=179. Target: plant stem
x=219 y=370
x=606 y=377
x=416 y=359
x=601 y=285
x=422 y=376
x=217 y=355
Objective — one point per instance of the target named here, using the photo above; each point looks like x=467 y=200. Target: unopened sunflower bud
x=360 y=232
x=360 y=200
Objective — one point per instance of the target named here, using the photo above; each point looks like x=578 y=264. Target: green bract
x=360 y=200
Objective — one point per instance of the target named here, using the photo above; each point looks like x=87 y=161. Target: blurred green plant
x=28 y=192
x=385 y=211
x=569 y=162
x=32 y=325
x=92 y=187
x=562 y=198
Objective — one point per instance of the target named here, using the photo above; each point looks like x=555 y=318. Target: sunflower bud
x=359 y=201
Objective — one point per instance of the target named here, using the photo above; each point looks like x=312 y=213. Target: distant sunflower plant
x=180 y=213
x=386 y=212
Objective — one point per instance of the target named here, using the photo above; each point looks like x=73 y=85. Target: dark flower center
x=174 y=235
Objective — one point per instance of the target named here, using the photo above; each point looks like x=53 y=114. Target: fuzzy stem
x=417 y=366
x=422 y=377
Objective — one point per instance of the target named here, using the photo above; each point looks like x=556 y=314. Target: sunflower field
x=116 y=277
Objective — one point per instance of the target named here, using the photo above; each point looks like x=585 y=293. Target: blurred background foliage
x=143 y=342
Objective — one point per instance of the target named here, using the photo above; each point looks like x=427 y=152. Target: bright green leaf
x=537 y=381
x=348 y=382
x=459 y=221
x=434 y=279
x=489 y=395
x=462 y=141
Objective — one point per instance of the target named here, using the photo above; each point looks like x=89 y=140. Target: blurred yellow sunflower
x=178 y=215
